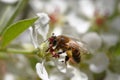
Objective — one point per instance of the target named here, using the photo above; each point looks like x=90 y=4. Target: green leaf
x=16 y=29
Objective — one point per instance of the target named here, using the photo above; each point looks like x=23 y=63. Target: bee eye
x=54 y=42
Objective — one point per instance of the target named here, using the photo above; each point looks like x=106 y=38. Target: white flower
x=41 y=25
x=57 y=30
x=92 y=40
x=77 y=23
x=77 y=74
x=36 y=5
x=56 y=6
x=60 y=66
x=56 y=75
x=112 y=76
x=99 y=62
x=105 y=6
x=60 y=63
x=9 y=76
x=109 y=39
x=86 y=7
x=68 y=72
x=9 y=1
x=43 y=19
x=66 y=26
x=115 y=24
x=41 y=71
x=40 y=29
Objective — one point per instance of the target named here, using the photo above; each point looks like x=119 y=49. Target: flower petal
x=78 y=75
x=40 y=29
x=41 y=71
x=99 y=63
x=92 y=40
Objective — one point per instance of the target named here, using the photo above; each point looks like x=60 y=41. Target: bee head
x=53 y=40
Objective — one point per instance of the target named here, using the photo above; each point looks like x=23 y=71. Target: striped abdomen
x=76 y=55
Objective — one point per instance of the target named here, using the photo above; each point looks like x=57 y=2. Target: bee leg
x=50 y=48
x=61 y=52
x=66 y=59
x=55 y=55
x=47 y=50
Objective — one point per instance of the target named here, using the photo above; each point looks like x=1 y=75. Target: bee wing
x=72 y=37
x=83 y=47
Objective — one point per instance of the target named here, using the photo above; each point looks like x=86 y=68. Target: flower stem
x=16 y=51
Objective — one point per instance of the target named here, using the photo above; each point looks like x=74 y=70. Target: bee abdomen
x=76 y=56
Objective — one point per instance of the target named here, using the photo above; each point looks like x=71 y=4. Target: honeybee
x=67 y=45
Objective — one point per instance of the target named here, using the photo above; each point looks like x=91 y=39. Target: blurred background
x=93 y=22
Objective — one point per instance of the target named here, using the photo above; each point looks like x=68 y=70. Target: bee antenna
x=45 y=40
